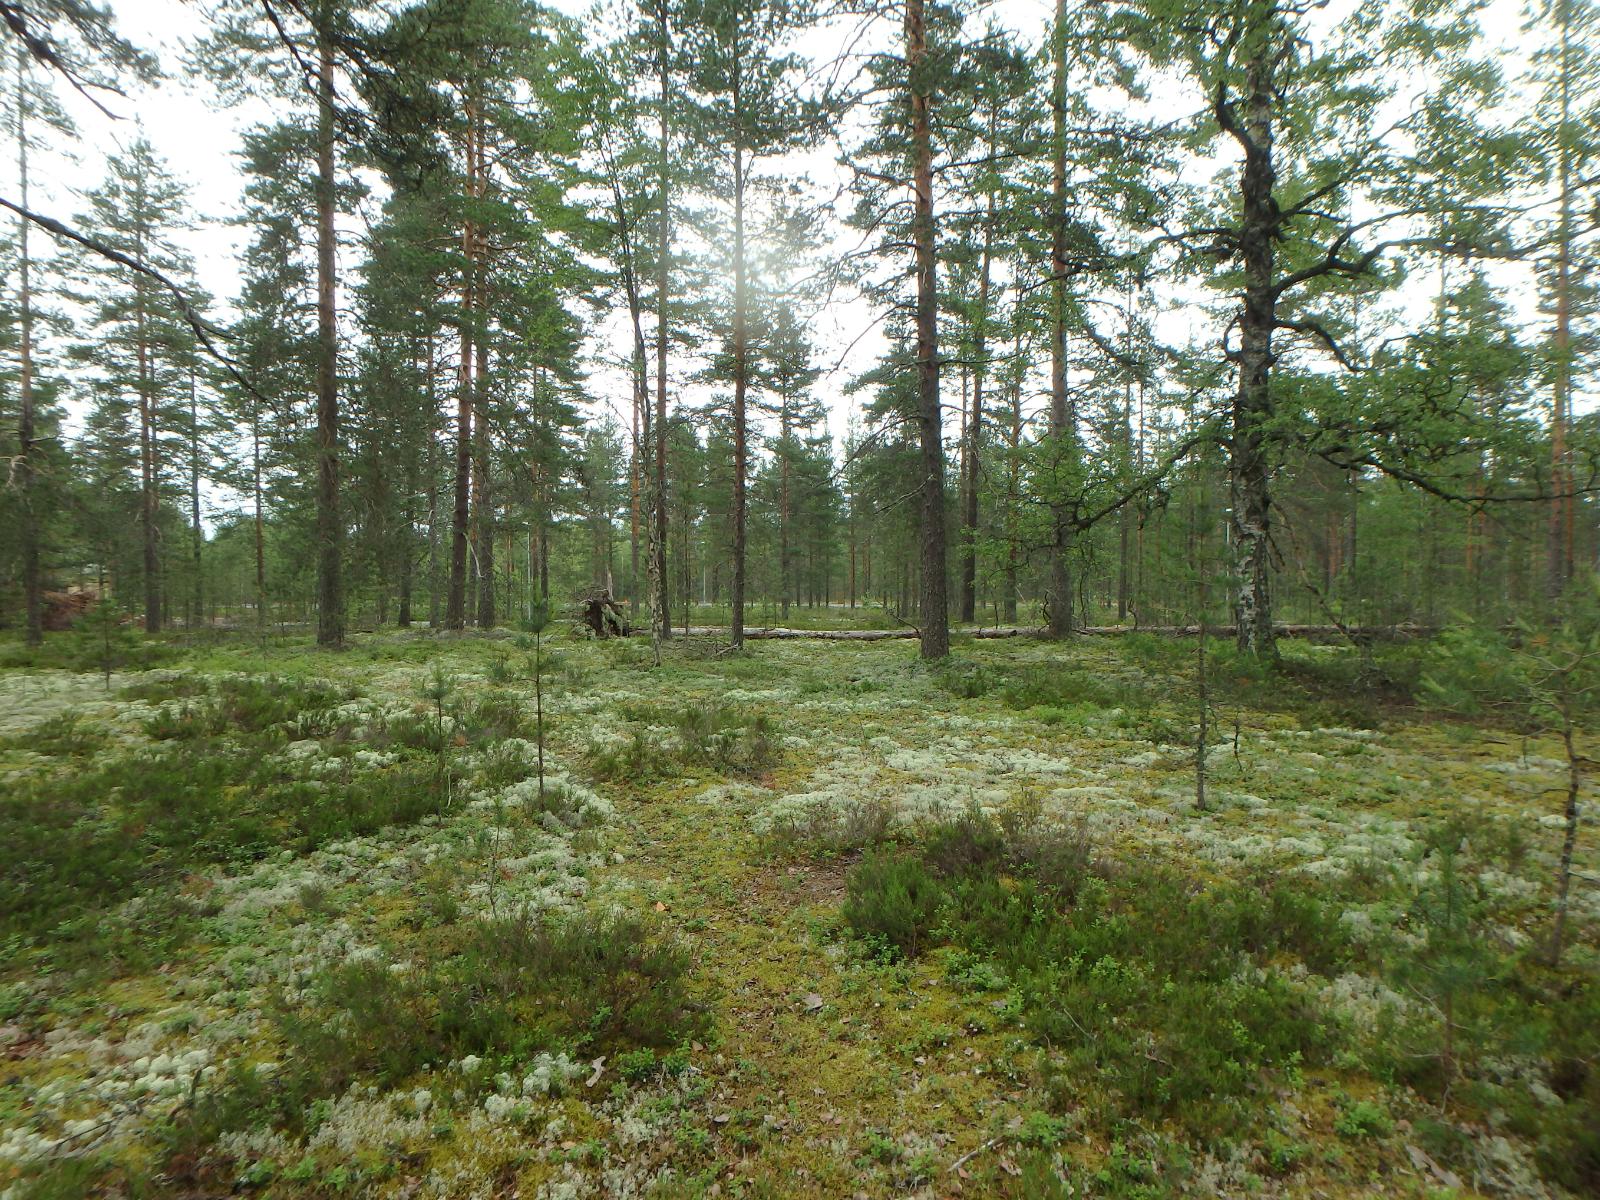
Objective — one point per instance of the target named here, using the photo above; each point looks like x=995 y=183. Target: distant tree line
x=1193 y=309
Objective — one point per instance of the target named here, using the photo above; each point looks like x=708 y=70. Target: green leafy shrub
x=81 y=844
x=1362 y=1119
x=892 y=900
x=1159 y=990
x=1470 y=669
x=514 y=986
x=496 y=715
x=1059 y=686
x=1569 y=1136
x=296 y=707
x=971 y=843
x=62 y=736
x=727 y=739
x=829 y=830
x=641 y=759
x=967 y=680
x=720 y=738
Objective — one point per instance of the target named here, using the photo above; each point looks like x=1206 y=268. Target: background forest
x=1170 y=311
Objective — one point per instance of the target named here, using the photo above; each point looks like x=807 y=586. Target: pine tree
x=749 y=109
x=35 y=116
x=141 y=342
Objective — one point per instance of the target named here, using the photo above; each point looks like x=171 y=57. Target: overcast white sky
x=199 y=139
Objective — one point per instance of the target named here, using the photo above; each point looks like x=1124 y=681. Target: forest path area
x=830 y=1076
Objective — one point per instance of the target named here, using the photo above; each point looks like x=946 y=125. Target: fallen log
x=778 y=634
x=1363 y=633
x=1378 y=633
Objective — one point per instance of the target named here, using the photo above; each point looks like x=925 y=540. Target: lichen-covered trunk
x=934 y=617
x=1249 y=462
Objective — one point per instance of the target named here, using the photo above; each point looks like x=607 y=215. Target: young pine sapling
x=536 y=622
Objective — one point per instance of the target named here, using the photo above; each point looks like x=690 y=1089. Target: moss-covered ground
x=811 y=920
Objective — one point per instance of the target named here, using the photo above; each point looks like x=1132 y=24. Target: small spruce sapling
x=1455 y=959
x=438 y=690
x=1201 y=520
x=102 y=639
x=534 y=625
x=1546 y=680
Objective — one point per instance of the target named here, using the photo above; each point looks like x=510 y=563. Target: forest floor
x=810 y=921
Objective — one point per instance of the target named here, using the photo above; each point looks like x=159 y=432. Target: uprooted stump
x=602 y=614
x=62 y=609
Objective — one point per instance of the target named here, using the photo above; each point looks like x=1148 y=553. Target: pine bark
x=149 y=497
x=785 y=565
x=455 y=613
x=330 y=524
x=432 y=469
x=658 y=549
x=483 y=492
x=1014 y=465
x=934 y=617
x=258 y=519
x=974 y=447
x=1561 y=519
x=1063 y=423
x=32 y=576
x=197 y=537
x=741 y=363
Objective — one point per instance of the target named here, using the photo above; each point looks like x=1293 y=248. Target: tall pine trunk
x=197 y=537
x=641 y=398
x=482 y=479
x=974 y=448
x=433 y=489
x=32 y=576
x=785 y=566
x=330 y=524
x=1063 y=422
x=741 y=366
x=149 y=496
x=1014 y=462
x=258 y=519
x=455 y=616
x=658 y=549
x=406 y=542
x=483 y=505
x=934 y=617
x=1559 y=562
